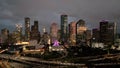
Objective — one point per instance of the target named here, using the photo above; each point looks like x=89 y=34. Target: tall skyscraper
x=35 y=34
x=95 y=35
x=88 y=36
x=72 y=32
x=4 y=35
x=54 y=32
x=80 y=31
x=107 y=32
x=27 y=29
x=64 y=28
x=19 y=32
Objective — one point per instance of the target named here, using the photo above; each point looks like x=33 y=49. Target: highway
x=36 y=61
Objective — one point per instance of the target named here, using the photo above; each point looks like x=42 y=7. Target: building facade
x=80 y=31
x=27 y=29
x=95 y=35
x=88 y=37
x=4 y=35
x=72 y=32
x=35 y=34
x=54 y=32
x=19 y=32
x=107 y=32
x=64 y=28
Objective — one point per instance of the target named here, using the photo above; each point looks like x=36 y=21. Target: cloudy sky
x=48 y=11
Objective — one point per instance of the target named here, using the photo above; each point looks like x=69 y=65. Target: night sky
x=49 y=11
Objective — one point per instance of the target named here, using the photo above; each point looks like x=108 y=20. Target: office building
x=54 y=32
x=35 y=34
x=107 y=32
x=80 y=31
x=72 y=32
x=19 y=32
x=27 y=29
x=4 y=35
x=88 y=37
x=64 y=28
x=95 y=35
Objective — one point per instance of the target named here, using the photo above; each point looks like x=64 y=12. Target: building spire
x=44 y=29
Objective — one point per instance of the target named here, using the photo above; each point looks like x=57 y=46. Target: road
x=36 y=61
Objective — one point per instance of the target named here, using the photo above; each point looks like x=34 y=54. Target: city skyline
x=47 y=12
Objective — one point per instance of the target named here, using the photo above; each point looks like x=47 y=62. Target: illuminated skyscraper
x=54 y=32
x=107 y=32
x=64 y=28
x=27 y=29
x=72 y=32
x=80 y=31
x=19 y=32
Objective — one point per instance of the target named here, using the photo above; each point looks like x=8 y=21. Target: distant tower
x=35 y=34
x=95 y=35
x=19 y=32
x=80 y=31
x=27 y=29
x=88 y=34
x=72 y=32
x=44 y=30
x=54 y=32
x=4 y=35
x=64 y=28
x=107 y=32
x=19 y=27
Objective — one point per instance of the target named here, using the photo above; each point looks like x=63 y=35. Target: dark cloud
x=48 y=11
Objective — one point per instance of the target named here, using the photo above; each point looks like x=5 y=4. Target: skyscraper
x=80 y=31
x=35 y=34
x=96 y=35
x=4 y=35
x=88 y=36
x=19 y=32
x=54 y=32
x=27 y=29
x=107 y=32
x=72 y=32
x=64 y=28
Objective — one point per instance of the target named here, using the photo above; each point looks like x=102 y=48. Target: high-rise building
x=107 y=32
x=54 y=32
x=80 y=31
x=88 y=36
x=95 y=35
x=4 y=35
x=59 y=34
x=64 y=28
x=45 y=39
x=72 y=32
x=35 y=34
x=19 y=32
x=27 y=29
